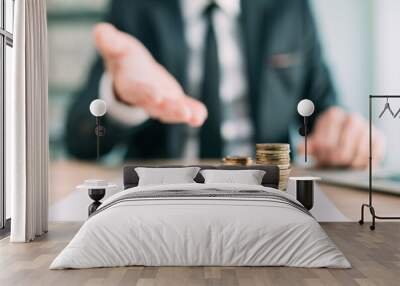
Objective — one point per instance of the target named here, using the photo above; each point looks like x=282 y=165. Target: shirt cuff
x=118 y=111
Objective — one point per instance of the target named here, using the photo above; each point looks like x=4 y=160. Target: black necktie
x=210 y=135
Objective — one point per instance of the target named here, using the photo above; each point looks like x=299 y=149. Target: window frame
x=6 y=39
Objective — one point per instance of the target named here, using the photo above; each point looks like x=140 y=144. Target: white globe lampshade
x=98 y=108
x=305 y=107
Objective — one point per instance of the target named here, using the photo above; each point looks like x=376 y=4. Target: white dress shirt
x=236 y=130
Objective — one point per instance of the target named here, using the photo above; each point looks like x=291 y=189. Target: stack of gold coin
x=278 y=155
x=237 y=160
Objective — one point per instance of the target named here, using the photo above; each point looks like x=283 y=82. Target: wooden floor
x=375 y=257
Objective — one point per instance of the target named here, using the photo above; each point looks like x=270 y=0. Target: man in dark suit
x=204 y=78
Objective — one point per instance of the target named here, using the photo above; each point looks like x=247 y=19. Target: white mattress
x=200 y=231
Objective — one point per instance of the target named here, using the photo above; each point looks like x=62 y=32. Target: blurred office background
x=359 y=37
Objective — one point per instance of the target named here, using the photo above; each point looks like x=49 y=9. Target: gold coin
x=272 y=158
x=284 y=167
x=275 y=162
x=237 y=160
x=273 y=154
x=272 y=146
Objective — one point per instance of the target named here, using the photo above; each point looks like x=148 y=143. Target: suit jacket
x=283 y=64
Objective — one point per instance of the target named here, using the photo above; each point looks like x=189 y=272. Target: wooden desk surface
x=66 y=175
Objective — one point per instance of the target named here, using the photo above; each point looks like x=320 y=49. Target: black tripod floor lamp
x=370 y=206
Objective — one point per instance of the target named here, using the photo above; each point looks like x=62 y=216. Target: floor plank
x=375 y=257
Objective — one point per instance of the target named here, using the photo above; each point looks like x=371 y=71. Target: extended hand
x=340 y=139
x=139 y=80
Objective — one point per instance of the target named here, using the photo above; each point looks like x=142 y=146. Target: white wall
x=361 y=41
x=387 y=69
x=345 y=31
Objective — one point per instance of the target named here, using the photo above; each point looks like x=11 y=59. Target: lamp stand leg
x=361 y=221
x=305 y=138
x=97 y=138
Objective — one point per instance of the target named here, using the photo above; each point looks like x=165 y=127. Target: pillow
x=248 y=177
x=164 y=176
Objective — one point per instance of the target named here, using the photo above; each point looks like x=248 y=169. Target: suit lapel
x=174 y=50
x=173 y=55
x=253 y=22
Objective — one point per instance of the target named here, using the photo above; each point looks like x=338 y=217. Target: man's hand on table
x=139 y=80
x=341 y=139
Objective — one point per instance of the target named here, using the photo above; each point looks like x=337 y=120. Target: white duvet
x=200 y=231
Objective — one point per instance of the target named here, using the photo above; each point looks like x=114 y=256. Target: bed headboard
x=271 y=177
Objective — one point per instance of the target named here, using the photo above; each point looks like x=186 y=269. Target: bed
x=198 y=224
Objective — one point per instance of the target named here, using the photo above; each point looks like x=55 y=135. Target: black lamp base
x=96 y=195
x=305 y=193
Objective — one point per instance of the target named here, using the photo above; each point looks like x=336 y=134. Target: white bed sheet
x=200 y=231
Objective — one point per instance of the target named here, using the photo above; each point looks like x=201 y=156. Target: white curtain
x=26 y=124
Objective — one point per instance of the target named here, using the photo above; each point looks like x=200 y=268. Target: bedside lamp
x=98 y=108
x=97 y=188
x=305 y=108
